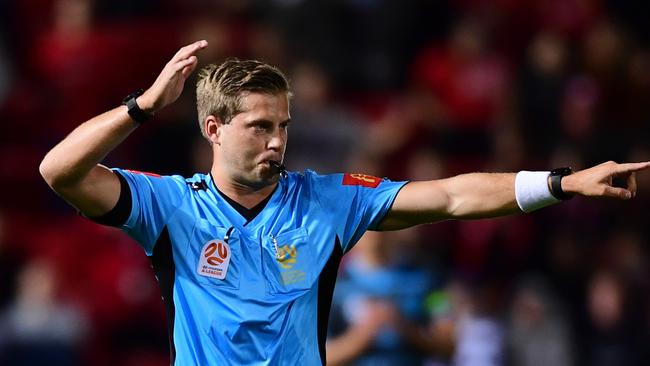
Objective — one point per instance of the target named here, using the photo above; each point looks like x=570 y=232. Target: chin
x=270 y=178
x=263 y=178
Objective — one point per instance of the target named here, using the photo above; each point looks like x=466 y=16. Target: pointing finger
x=631 y=167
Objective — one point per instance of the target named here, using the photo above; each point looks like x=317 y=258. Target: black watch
x=556 y=183
x=134 y=110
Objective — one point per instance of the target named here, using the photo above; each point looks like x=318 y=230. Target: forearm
x=466 y=196
x=480 y=195
x=73 y=158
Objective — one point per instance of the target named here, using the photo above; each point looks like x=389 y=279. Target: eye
x=260 y=127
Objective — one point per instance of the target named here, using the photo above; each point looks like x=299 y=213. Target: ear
x=213 y=127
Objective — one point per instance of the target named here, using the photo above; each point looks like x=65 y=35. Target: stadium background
x=405 y=89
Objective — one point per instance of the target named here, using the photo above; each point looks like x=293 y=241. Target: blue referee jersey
x=252 y=292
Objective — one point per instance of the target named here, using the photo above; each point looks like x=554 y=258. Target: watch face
x=562 y=171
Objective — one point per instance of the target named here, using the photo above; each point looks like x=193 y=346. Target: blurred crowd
x=410 y=89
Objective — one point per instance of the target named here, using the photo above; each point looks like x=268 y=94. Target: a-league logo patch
x=361 y=180
x=214 y=259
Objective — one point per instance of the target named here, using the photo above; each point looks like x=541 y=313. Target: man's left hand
x=598 y=181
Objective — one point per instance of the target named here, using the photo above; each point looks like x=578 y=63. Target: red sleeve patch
x=144 y=173
x=361 y=180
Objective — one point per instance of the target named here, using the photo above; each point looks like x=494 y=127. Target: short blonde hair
x=219 y=88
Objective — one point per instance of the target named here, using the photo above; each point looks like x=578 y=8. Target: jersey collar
x=236 y=218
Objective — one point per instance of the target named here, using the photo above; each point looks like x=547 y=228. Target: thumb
x=617 y=192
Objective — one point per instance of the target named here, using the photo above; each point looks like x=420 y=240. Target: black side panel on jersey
x=326 y=283
x=162 y=262
x=118 y=215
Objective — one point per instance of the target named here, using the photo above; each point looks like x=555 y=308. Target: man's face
x=255 y=137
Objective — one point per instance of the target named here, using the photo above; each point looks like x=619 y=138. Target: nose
x=277 y=140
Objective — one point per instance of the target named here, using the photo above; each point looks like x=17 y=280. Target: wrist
x=134 y=109
x=560 y=187
x=568 y=185
x=532 y=190
x=146 y=103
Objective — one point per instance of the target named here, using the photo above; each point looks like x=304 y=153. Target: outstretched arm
x=483 y=195
x=72 y=167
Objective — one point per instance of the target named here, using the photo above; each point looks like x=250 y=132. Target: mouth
x=276 y=167
x=279 y=167
x=270 y=161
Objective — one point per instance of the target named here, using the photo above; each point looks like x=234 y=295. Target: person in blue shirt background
x=247 y=254
x=378 y=313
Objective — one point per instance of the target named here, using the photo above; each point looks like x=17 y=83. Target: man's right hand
x=72 y=167
x=169 y=84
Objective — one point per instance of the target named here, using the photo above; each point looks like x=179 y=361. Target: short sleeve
x=356 y=202
x=154 y=199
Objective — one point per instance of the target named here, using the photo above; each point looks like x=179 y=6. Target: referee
x=247 y=254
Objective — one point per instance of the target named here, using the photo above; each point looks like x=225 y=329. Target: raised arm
x=72 y=167
x=483 y=195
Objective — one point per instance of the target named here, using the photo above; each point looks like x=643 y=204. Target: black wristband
x=556 y=183
x=137 y=114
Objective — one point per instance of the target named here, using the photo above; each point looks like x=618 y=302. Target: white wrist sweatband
x=532 y=192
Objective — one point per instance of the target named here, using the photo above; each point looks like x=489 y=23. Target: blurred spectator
x=216 y=31
x=480 y=333
x=446 y=308
x=411 y=122
x=324 y=134
x=67 y=57
x=111 y=279
x=39 y=327
x=442 y=330
x=377 y=37
x=538 y=334
x=496 y=247
x=467 y=76
x=391 y=33
x=379 y=306
x=471 y=82
x=266 y=44
x=603 y=52
x=541 y=83
x=611 y=338
x=624 y=251
x=602 y=93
